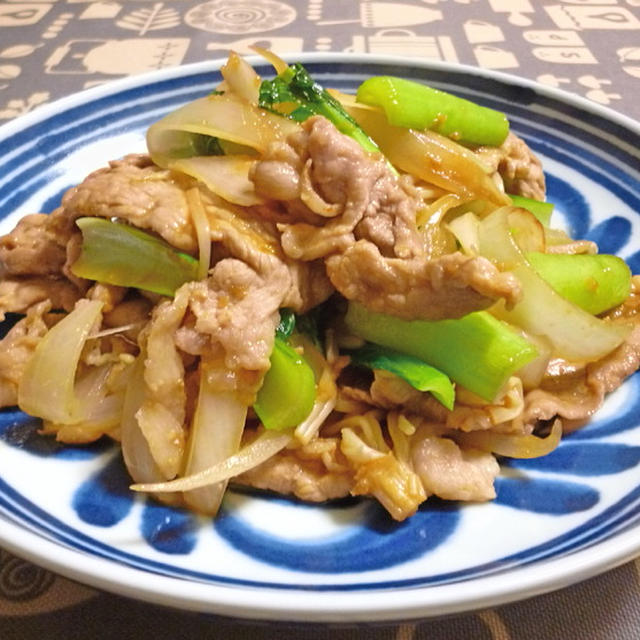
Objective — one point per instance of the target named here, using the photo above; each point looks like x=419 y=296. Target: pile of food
x=316 y=294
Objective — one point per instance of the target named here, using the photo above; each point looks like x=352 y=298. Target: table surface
x=50 y=49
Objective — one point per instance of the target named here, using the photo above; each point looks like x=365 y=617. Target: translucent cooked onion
x=574 y=334
x=240 y=78
x=203 y=231
x=47 y=387
x=526 y=230
x=512 y=446
x=278 y=63
x=465 y=228
x=533 y=372
x=100 y=410
x=215 y=435
x=161 y=416
x=227 y=176
x=261 y=449
x=104 y=419
x=135 y=448
x=91 y=388
x=225 y=117
x=435 y=212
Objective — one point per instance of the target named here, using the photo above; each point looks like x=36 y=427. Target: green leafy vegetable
x=595 y=283
x=416 y=372
x=204 y=145
x=117 y=253
x=296 y=89
x=477 y=351
x=288 y=390
x=287 y=323
x=413 y=105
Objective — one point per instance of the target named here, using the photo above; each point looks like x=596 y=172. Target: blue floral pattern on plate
x=584 y=494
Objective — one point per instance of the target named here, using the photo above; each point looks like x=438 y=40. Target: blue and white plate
x=555 y=521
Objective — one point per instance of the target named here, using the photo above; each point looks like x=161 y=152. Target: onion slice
x=47 y=387
x=466 y=228
x=226 y=176
x=241 y=78
x=203 y=231
x=225 y=117
x=135 y=448
x=278 y=63
x=512 y=446
x=262 y=448
x=215 y=435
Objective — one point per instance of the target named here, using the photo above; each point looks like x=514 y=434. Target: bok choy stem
x=595 y=283
x=117 y=253
x=288 y=390
x=478 y=351
x=413 y=105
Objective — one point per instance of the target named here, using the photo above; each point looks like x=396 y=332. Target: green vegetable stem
x=416 y=106
x=541 y=210
x=595 y=283
x=477 y=351
x=117 y=253
x=288 y=390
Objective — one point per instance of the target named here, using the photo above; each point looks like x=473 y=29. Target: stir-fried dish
x=316 y=294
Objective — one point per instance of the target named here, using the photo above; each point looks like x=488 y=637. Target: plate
x=555 y=521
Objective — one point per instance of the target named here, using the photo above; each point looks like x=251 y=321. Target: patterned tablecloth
x=49 y=49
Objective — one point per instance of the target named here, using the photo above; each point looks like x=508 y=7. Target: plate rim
x=309 y=606
x=382 y=605
x=117 y=85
